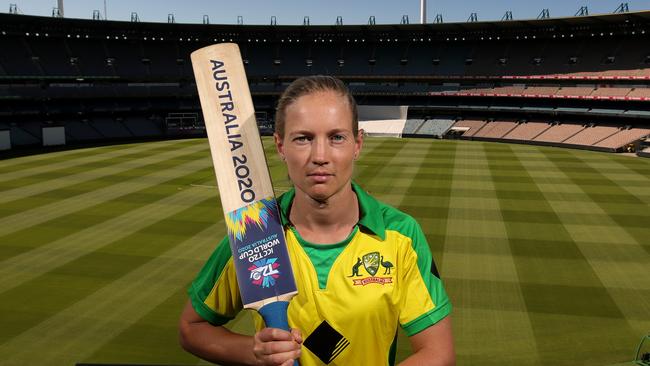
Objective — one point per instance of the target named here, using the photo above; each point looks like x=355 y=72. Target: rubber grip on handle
x=275 y=316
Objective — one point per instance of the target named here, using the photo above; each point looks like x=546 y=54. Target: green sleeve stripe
x=426 y=320
x=409 y=227
x=204 y=311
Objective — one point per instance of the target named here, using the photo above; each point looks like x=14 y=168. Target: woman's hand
x=277 y=347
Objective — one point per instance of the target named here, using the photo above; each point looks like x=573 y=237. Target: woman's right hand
x=277 y=347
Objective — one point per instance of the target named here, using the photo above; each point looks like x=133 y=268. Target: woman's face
x=319 y=145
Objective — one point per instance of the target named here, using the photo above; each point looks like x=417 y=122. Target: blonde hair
x=308 y=85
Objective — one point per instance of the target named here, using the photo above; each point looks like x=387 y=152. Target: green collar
x=370 y=210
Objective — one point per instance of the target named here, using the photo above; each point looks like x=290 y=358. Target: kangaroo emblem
x=355 y=268
x=388 y=265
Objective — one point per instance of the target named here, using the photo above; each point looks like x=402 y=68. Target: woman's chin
x=319 y=194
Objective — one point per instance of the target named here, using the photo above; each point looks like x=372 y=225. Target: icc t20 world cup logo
x=264 y=272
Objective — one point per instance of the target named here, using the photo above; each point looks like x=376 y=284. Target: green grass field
x=545 y=252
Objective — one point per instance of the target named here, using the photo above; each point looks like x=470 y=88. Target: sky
x=292 y=12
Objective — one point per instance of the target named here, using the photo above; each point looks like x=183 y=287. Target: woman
x=361 y=266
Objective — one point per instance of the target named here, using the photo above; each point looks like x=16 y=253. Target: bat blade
x=259 y=250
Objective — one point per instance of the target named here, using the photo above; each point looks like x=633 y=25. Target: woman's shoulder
x=396 y=219
x=390 y=217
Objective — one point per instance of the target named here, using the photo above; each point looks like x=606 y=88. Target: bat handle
x=275 y=316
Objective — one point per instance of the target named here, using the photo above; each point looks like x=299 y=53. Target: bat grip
x=275 y=316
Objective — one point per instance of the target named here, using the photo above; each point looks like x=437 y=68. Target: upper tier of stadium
x=115 y=79
x=533 y=49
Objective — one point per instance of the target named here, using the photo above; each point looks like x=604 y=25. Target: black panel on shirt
x=326 y=343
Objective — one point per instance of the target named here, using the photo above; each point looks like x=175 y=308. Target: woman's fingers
x=277 y=347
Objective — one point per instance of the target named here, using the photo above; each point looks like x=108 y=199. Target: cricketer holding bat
x=362 y=268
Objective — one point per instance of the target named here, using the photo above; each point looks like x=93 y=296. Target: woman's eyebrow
x=339 y=130
x=300 y=132
x=310 y=132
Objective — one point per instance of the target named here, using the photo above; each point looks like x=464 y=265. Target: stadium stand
x=528 y=130
x=540 y=90
x=51 y=57
x=611 y=92
x=28 y=133
x=470 y=127
x=32 y=129
x=591 y=135
x=124 y=58
x=575 y=91
x=436 y=127
x=90 y=57
x=509 y=90
x=623 y=137
x=420 y=59
x=559 y=133
x=485 y=130
x=110 y=128
x=142 y=127
x=118 y=80
x=20 y=61
x=639 y=93
x=543 y=92
x=160 y=60
x=80 y=131
x=496 y=129
x=412 y=126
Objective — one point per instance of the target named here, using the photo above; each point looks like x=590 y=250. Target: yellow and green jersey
x=351 y=295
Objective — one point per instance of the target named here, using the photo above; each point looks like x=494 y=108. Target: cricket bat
x=259 y=249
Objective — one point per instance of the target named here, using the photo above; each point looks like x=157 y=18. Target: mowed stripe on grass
x=480 y=269
x=109 y=189
x=514 y=211
x=96 y=171
x=37 y=165
x=102 y=253
x=406 y=166
x=120 y=296
x=562 y=290
x=70 y=188
x=610 y=251
x=52 y=254
x=28 y=161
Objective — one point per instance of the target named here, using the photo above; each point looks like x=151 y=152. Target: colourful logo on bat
x=264 y=272
x=257 y=214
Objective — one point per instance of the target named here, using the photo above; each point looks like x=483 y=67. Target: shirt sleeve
x=214 y=293
x=423 y=301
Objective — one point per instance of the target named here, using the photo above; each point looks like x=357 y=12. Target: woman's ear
x=358 y=144
x=279 y=146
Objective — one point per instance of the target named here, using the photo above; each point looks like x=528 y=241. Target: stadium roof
x=619 y=23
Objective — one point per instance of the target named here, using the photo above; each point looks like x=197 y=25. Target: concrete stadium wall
x=382 y=120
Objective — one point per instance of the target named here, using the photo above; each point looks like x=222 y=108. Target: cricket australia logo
x=264 y=272
x=371 y=263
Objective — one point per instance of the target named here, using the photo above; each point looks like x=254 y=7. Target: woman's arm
x=219 y=345
x=433 y=346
